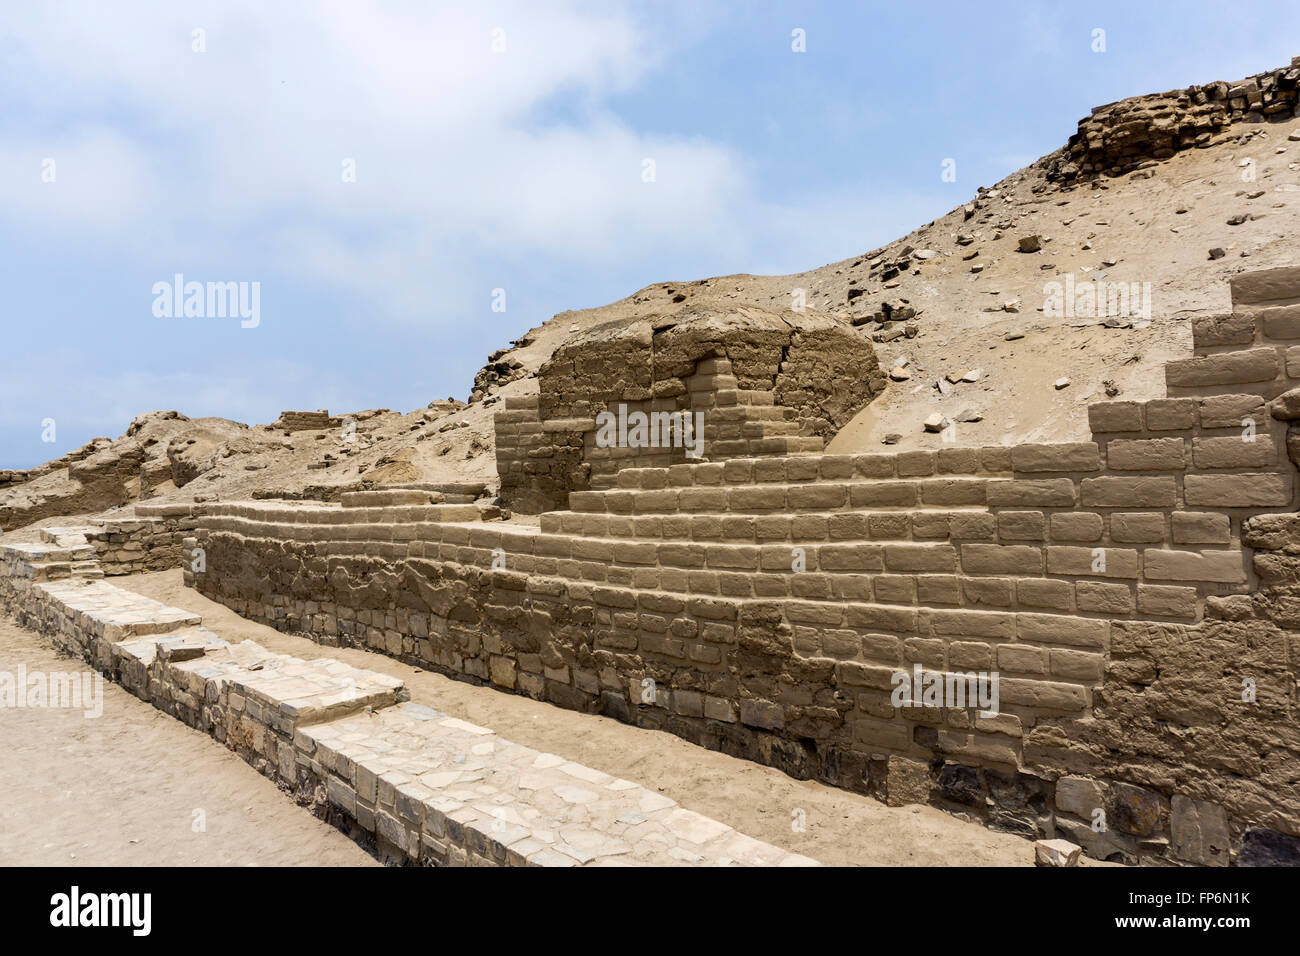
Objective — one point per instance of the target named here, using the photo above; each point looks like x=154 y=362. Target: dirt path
x=842 y=828
x=123 y=789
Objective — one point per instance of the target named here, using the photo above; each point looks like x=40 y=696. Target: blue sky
x=479 y=169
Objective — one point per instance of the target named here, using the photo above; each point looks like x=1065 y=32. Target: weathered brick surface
x=777 y=599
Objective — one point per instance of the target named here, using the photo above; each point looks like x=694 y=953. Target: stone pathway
x=430 y=788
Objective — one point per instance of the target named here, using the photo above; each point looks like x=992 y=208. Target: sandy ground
x=123 y=789
x=842 y=828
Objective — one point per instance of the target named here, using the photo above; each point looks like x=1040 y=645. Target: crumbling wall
x=765 y=607
x=761 y=383
x=291 y=421
x=1117 y=137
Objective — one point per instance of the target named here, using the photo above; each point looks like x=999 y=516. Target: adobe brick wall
x=1127 y=590
x=765 y=384
x=292 y=421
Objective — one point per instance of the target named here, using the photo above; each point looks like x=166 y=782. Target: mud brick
x=1128 y=492
x=1200 y=527
x=1066 y=456
x=1076 y=526
x=660 y=500
x=915 y=464
x=920 y=557
x=757 y=498
x=1170 y=414
x=1043 y=695
x=928 y=651
x=954 y=491
x=1226 y=368
x=970 y=655
x=875 y=466
x=737 y=471
x=930 y=525
x=801 y=469
x=1023 y=659
x=993 y=592
x=770 y=469
x=1281 y=323
x=1045 y=593
x=895 y=589
x=850 y=557
x=1001 y=559
x=1044 y=492
x=1061 y=629
x=1101 y=598
x=1238 y=490
x=701 y=499
x=1077 y=665
x=1235 y=452
x=963 y=623
x=883 y=494
x=1234 y=328
x=1022 y=525
x=1229 y=411
x=1265 y=285
x=1166 y=601
x=1150 y=454
x=833 y=467
x=817 y=496
x=957 y=461
x=937 y=589
x=886 y=526
x=1115 y=417
x=1079 y=562
x=971 y=525
x=995 y=459
x=881 y=647
x=847 y=526
x=1224 y=567
x=875 y=617
x=1137 y=528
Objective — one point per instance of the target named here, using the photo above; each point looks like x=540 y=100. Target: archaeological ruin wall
x=1134 y=593
x=1118 y=137
x=749 y=382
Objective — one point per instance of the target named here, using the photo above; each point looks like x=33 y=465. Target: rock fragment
x=1056 y=853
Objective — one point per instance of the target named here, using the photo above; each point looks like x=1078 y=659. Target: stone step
x=989 y=461
x=747 y=413
x=389 y=497
x=923 y=523
x=779 y=445
x=431 y=786
x=467 y=489
x=107 y=612
x=325 y=515
x=823 y=496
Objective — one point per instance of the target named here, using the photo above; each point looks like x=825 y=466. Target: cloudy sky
x=381 y=168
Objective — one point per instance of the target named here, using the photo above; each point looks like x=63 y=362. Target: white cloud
x=453 y=145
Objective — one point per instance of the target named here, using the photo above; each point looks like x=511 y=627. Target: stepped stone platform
x=425 y=787
x=1131 y=593
x=760 y=382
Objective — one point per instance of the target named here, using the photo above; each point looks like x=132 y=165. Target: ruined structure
x=1118 y=136
x=1134 y=594
x=761 y=383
